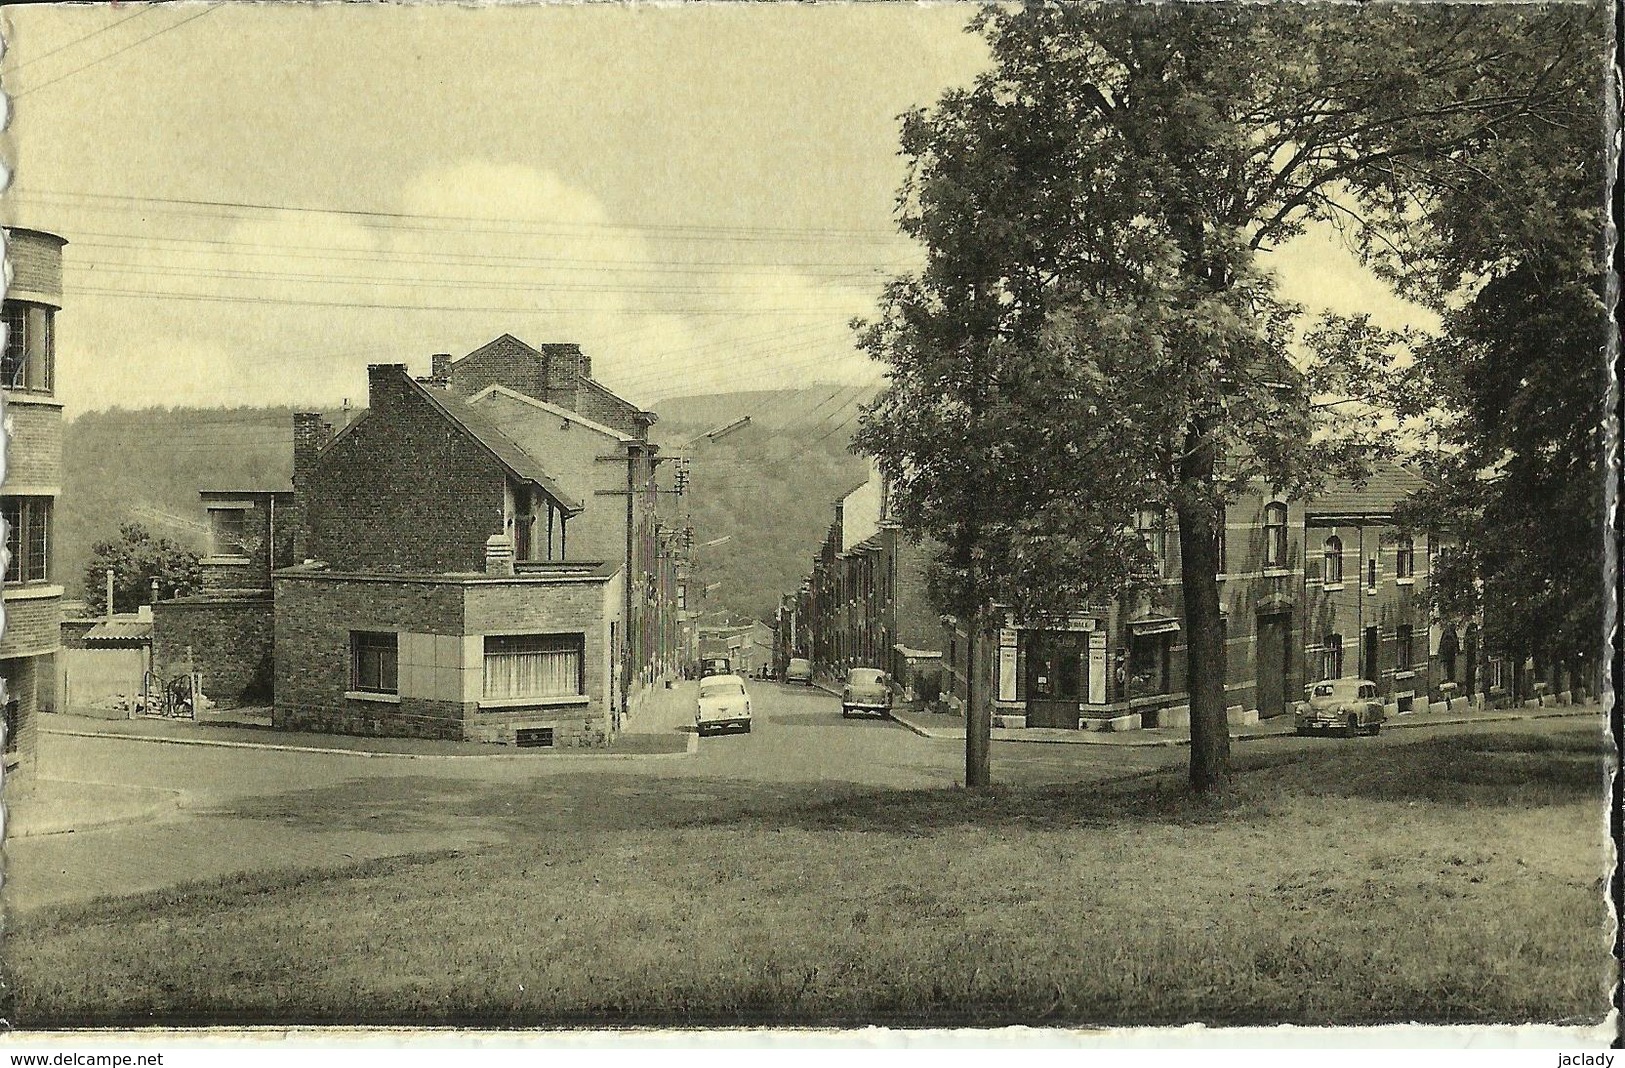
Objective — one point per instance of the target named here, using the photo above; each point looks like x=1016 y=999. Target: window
x=1148 y=665
x=1402 y=648
x=28 y=539
x=1331 y=657
x=1153 y=531
x=1219 y=545
x=13 y=709
x=227 y=529
x=1275 y=535
x=1334 y=561
x=1405 y=558
x=29 y=353
x=373 y=662
x=1371 y=574
x=533 y=665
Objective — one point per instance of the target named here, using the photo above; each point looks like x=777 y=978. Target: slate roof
x=515 y=460
x=1389 y=484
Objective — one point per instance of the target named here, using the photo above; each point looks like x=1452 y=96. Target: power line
x=79 y=40
x=676 y=231
x=223 y=298
x=111 y=55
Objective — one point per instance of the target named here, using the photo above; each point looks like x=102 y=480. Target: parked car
x=866 y=690
x=723 y=704
x=1347 y=705
x=715 y=665
x=799 y=671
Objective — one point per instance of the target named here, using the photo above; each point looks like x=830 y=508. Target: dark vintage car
x=866 y=690
x=799 y=670
x=1346 y=705
x=715 y=665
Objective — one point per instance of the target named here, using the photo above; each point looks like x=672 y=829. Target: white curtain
x=533 y=674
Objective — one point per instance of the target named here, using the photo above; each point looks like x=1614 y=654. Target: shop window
x=1148 y=665
x=374 y=662
x=521 y=666
x=1334 y=561
x=28 y=539
x=1275 y=535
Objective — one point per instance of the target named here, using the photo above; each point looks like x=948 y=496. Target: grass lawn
x=1447 y=880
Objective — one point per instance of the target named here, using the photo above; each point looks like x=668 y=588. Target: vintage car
x=799 y=670
x=723 y=705
x=1346 y=705
x=715 y=665
x=866 y=690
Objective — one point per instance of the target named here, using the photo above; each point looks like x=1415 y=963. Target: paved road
x=255 y=810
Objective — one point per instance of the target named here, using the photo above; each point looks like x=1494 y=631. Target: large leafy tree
x=1094 y=332
x=136 y=557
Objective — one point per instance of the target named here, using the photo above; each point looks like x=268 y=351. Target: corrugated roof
x=519 y=463
x=120 y=630
x=1389 y=484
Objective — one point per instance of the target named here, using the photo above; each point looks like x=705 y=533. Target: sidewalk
x=247 y=736
x=662 y=710
x=62 y=806
x=941 y=725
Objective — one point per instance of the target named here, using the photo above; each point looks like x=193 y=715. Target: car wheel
x=1376 y=728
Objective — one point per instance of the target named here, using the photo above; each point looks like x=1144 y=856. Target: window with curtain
x=1334 y=560
x=1275 y=535
x=534 y=665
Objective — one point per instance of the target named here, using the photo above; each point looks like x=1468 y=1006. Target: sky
x=260 y=200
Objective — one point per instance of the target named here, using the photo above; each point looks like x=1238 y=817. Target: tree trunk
x=978 y=716
x=1204 y=642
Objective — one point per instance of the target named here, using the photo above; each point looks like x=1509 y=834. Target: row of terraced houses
x=1324 y=588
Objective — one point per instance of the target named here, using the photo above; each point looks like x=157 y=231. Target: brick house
x=444 y=591
x=31 y=588
x=224 y=633
x=1366 y=599
x=866 y=601
x=1120 y=663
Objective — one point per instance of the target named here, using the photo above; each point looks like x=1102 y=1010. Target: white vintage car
x=1347 y=705
x=723 y=704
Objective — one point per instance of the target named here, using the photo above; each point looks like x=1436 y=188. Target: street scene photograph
x=588 y=517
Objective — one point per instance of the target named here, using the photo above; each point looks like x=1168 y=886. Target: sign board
x=1097 y=668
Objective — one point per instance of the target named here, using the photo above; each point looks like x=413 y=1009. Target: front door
x=1055 y=674
x=1273 y=634
x=1369 y=648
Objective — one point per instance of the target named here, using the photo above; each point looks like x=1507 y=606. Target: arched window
x=1334 y=560
x=1275 y=535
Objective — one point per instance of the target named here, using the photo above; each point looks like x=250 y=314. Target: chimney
x=309 y=435
x=498 y=555
x=440 y=367
x=386 y=383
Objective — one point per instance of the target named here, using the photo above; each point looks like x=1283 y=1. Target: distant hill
x=768 y=488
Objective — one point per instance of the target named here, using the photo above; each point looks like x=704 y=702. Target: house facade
x=31 y=588
x=866 y=603
x=1120 y=663
x=1366 y=599
x=443 y=592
